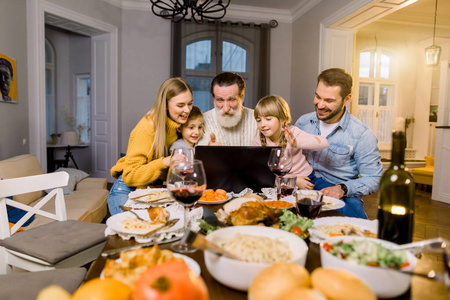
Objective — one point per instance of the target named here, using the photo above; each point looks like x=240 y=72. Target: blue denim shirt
x=351 y=158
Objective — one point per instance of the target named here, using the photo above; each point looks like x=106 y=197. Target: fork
x=133 y=212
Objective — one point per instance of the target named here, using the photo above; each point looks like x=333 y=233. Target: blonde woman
x=273 y=117
x=147 y=157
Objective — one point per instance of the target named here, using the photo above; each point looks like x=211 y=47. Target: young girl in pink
x=273 y=117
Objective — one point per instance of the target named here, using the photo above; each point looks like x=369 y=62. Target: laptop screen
x=234 y=168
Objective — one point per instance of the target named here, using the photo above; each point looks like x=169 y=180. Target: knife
x=112 y=252
x=211 y=218
x=199 y=241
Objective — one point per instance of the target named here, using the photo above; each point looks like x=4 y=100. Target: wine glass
x=186 y=191
x=182 y=160
x=280 y=162
x=183 y=154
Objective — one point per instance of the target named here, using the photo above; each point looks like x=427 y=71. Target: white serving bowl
x=239 y=274
x=384 y=283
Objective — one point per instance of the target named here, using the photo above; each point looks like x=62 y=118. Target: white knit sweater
x=240 y=135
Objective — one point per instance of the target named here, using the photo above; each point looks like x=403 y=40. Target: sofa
x=85 y=197
x=425 y=174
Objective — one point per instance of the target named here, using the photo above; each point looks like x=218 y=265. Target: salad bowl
x=385 y=283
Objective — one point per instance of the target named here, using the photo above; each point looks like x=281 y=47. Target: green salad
x=368 y=253
x=298 y=225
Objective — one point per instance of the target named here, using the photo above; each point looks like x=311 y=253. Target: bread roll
x=275 y=281
x=303 y=294
x=340 y=285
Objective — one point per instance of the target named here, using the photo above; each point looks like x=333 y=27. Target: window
x=50 y=103
x=201 y=51
x=377 y=87
x=83 y=120
x=202 y=65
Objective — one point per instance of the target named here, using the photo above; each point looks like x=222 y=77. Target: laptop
x=234 y=168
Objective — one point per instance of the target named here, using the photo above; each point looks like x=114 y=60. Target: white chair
x=59 y=244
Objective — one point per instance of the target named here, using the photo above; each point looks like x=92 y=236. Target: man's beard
x=231 y=118
x=331 y=115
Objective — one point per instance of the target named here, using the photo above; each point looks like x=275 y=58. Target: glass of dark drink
x=309 y=203
x=286 y=186
x=280 y=161
x=186 y=189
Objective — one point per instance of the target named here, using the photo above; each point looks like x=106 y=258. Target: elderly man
x=229 y=123
x=6 y=75
x=351 y=166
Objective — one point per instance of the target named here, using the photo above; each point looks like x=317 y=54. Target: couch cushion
x=21 y=166
x=56 y=241
x=429 y=171
x=75 y=176
x=26 y=286
x=83 y=205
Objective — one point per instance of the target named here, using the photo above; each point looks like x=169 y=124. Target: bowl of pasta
x=257 y=247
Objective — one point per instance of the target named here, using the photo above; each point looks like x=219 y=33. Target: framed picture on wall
x=8 y=83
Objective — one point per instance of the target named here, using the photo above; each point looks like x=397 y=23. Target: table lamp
x=69 y=138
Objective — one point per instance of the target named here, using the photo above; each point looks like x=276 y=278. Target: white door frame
x=441 y=189
x=36 y=74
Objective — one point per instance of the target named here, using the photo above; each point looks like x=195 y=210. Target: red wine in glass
x=308 y=208
x=187 y=196
x=183 y=172
x=286 y=190
x=279 y=171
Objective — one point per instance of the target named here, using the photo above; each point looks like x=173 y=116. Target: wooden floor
x=431 y=220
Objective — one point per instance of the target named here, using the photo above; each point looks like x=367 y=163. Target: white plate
x=141 y=192
x=115 y=222
x=192 y=264
x=229 y=195
x=335 y=203
x=316 y=236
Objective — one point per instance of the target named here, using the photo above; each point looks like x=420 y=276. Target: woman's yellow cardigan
x=137 y=167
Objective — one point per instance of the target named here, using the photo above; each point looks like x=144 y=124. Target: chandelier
x=433 y=53
x=198 y=10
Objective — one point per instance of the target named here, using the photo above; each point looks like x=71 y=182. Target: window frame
x=85 y=135
x=50 y=117
x=384 y=139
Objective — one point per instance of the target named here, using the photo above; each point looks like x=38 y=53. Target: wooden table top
x=421 y=288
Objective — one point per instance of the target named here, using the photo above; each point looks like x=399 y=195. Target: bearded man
x=229 y=123
x=350 y=167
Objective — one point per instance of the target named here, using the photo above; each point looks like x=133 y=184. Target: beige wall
x=14 y=117
x=305 y=55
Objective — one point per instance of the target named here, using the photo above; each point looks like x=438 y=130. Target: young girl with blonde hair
x=147 y=157
x=273 y=117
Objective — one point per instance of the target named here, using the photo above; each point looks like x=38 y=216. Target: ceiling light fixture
x=198 y=10
x=433 y=53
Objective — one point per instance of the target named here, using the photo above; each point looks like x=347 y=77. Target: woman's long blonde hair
x=277 y=107
x=158 y=113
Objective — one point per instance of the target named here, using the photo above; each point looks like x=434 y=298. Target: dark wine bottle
x=396 y=193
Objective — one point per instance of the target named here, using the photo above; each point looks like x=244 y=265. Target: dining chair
x=26 y=286
x=59 y=244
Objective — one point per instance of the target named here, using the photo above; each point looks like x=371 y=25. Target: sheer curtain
x=201 y=51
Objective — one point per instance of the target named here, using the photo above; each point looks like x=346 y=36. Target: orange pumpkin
x=172 y=280
x=103 y=289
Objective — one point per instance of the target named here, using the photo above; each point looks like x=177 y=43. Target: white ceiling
x=419 y=13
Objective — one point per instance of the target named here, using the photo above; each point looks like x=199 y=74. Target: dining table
x=421 y=288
